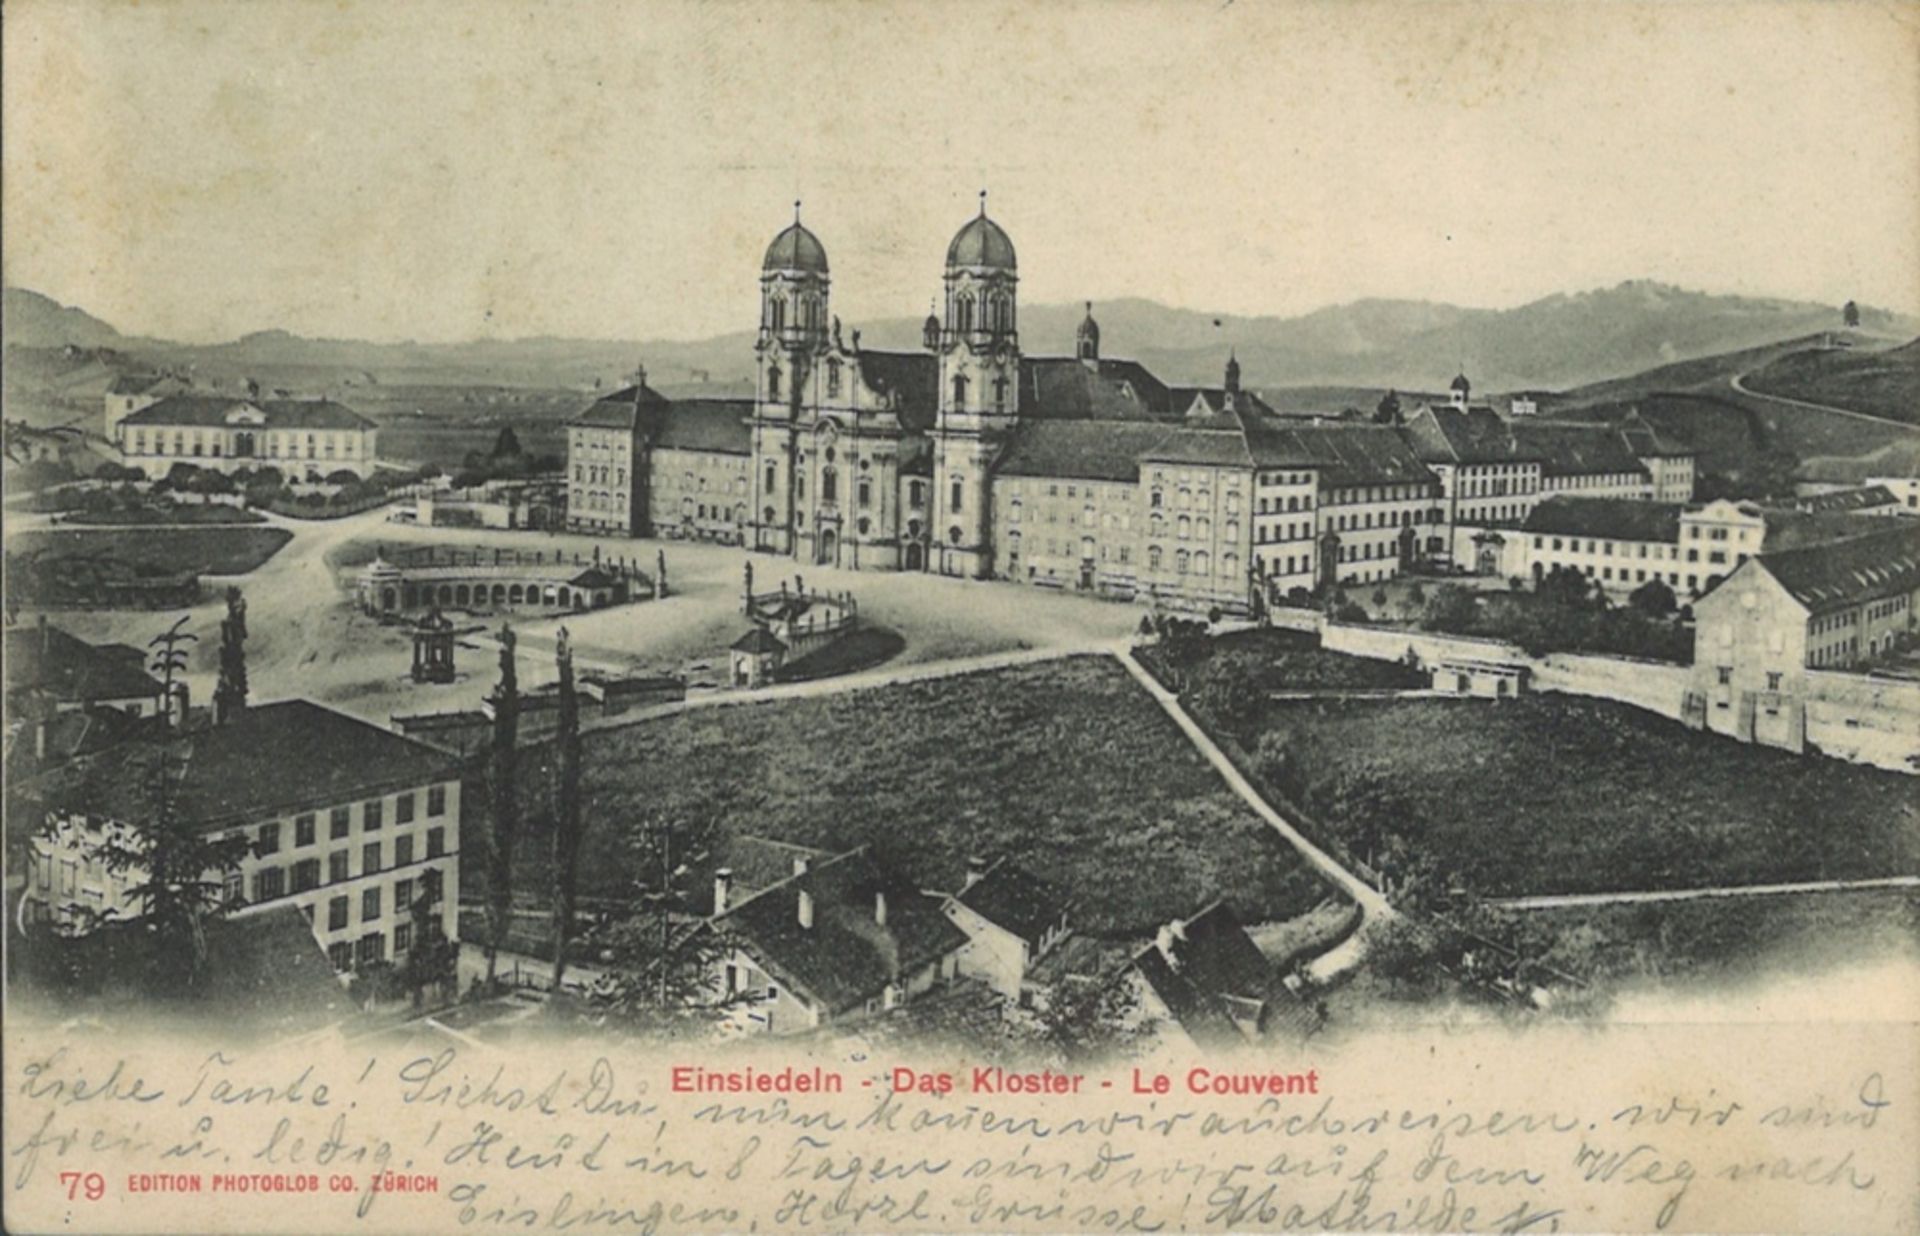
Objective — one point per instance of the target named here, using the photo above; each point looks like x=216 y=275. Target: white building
x=346 y=821
x=1012 y=919
x=306 y=439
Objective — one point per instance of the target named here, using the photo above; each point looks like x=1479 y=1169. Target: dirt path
x=1574 y=900
x=1374 y=907
x=1738 y=382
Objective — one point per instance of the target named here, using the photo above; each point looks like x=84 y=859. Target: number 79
x=92 y=1184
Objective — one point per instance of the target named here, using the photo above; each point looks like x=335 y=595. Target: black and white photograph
x=964 y=553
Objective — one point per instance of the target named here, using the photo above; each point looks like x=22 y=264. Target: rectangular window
x=337 y=863
x=436 y=842
x=341 y=955
x=403 y=808
x=302 y=830
x=403 y=937
x=306 y=875
x=371 y=948
x=336 y=914
x=403 y=849
x=403 y=896
x=436 y=800
x=339 y=822
x=269 y=842
x=370 y=904
x=370 y=858
x=268 y=883
x=373 y=814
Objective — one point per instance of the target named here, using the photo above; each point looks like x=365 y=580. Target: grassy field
x=208 y=513
x=1878 y=383
x=1275 y=659
x=212 y=550
x=1067 y=765
x=1550 y=794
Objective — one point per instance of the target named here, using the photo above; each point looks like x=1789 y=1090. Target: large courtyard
x=307 y=638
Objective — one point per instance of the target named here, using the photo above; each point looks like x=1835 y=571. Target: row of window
x=304 y=876
x=372 y=947
x=242 y=444
x=1186 y=528
x=340 y=819
x=1267 y=534
x=1196 y=563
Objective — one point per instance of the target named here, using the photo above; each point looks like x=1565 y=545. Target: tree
x=230 y=693
x=506 y=801
x=181 y=869
x=1452 y=608
x=432 y=959
x=209 y=481
x=169 y=659
x=506 y=445
x=1654 y=599
x=568 y=825
x=1850 y=314
x=1387 y=411
x=1567 y=587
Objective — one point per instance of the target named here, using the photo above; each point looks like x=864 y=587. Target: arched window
x=1233 y=532
x=916 y=494
x=865 y=489
x=999 y=394
x=829 y=485
x=1229 y=565
x=777 y=313
x=956 y=495
x=1154 y=501
x=963 y=312
x=1086 y=515
x=1156 y=524
x=771 y=476
x=1184 y=527
x=1200 y=563
x=813 y=314
x=1013 y=512
x=953 y=534
x=833 y=377
x=1086 y=548
x=1203 y=529
x=1186 y=497
x=773 y=382
x=766 y=517
x=800 y=487
x=1180 y=562
x=1233 y=502
x=1153 y=557
x=959 y=390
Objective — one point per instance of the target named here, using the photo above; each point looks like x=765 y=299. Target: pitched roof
x=1221 y=446
x=1081 y=450
x=1009 y=896
x=1476 y=435
x=45 y=659
x=1067 y=388
x=758 y=642
x=213 y=410
x=1345 y=454
x=761 y=862
x=718 y=425
x=911 y=379
x=1845 y=573
x=1620 y=519
x=143 y=383
x=1864 y=498
x=619 y=409
x=1575 y=450
x=1215 y=397
x=1217 y=983
x=846 y=957
x=273 y=759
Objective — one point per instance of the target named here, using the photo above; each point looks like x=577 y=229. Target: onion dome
x=982 y=243
x=796 y=249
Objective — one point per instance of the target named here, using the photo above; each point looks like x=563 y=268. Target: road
x=1575 y=900
x=1737 y=383
x=1374 y=907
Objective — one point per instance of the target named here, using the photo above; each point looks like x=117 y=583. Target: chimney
x=976 y=867
x=180 y=704
x=722 y=890
x=799 y=864
x=806 y=910
x=1163 y=940
x=880 y=907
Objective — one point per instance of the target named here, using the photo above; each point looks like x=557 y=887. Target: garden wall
x=1873 y=720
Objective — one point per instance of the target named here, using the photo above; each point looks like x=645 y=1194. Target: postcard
x=872 y=616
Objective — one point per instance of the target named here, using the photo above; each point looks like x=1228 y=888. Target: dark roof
x=982 y=242
x=273 y=759
x=47 y=660
x=1183 y=398
x=761 y=862
x=718 y=425
x=1867 y=497
x=1066 y=388
x=1214 y=980
x=1845 y=573
x=1223 y=446
x=619 y=409
x=69 y=734
x=1620 y=519
x=846 y=957
x=795 y=248
x=210 y=410
x=758 y=641
x=592 y=577
x=1081 y=450
x=1011 y=897
x=141 y=383
x=1575 y=450
x=1346 y=455
x=1476 y=435
x=911 y=380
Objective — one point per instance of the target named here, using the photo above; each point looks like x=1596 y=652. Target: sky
x=447 y=171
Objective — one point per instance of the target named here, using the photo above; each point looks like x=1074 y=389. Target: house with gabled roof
x=838 y=939
x=1204 y=980
x=303 y=438
x=1012 y=919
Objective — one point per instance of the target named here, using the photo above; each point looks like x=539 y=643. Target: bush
x=1453 y=609
x=343 y=476
x=1654 y=599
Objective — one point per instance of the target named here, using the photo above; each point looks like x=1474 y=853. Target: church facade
x=970 y=458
